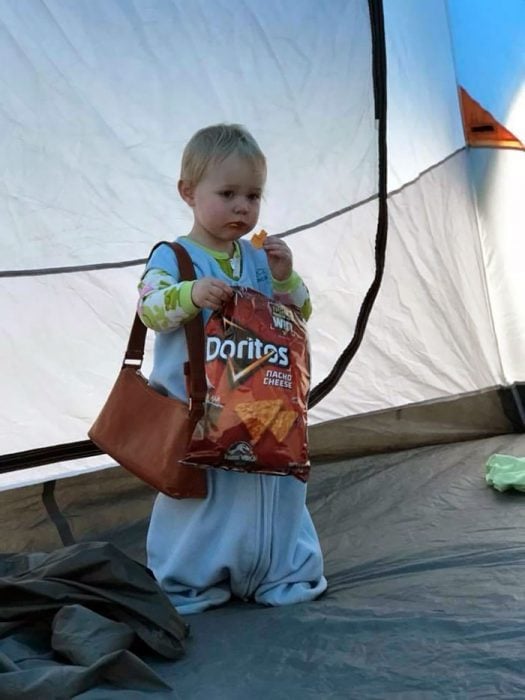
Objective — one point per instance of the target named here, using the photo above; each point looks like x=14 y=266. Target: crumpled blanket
x=74 y=623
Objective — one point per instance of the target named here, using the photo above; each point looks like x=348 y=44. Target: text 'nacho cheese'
x=258 y=375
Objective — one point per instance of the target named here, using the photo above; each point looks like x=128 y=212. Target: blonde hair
x=215 y=143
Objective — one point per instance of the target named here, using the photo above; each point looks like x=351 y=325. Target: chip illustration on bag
x=258 y=375
x=257 y=416
x=282 y=424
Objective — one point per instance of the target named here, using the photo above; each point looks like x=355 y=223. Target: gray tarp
x=426 y=599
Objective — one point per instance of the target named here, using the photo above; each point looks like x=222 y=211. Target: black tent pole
x=379 y=71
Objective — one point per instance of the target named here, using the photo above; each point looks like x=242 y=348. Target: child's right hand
x=210 y=293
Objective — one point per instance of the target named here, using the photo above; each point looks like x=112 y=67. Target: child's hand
x=210 y=293
x=279 y=258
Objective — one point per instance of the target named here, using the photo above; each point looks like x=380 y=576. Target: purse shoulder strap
x=194 y=330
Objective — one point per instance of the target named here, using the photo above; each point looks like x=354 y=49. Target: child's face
x=225 y=202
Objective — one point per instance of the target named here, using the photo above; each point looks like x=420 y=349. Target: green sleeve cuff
x=186 y=304
x=288 y=285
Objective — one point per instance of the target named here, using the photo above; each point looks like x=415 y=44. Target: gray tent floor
x=426 y=599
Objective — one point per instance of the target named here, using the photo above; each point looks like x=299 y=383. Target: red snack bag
x=258 y=375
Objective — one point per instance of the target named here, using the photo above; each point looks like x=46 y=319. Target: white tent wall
x=495 y=77
x=64 y=347
x=99 y=101
x=424 y=121
x=101 y=97
x=430 y=335
x=498 y=177
x=455 y=253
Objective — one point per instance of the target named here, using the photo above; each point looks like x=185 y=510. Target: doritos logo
x=248 y=349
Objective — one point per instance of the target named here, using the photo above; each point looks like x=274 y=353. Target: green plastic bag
x=504 y=472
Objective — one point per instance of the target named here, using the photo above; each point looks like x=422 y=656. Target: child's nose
x=241 y=205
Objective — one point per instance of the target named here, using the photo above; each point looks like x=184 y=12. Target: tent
x=395 y=134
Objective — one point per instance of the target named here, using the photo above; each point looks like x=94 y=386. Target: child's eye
x=227 y=194
x=255 y=197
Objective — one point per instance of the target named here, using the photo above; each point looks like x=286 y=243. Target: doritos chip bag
x=258 y=375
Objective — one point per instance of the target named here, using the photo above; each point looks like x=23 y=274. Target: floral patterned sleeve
x=164 y=303
x=293 y=291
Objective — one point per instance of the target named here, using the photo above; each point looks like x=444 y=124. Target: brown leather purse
x=147 y=432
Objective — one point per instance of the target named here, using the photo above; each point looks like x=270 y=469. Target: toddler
x=252 y=536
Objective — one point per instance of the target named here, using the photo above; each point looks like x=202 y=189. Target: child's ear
x=186 y=192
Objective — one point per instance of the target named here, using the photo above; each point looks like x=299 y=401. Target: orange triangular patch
x=481 y=129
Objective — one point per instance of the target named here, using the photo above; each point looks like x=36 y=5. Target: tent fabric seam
x=289 y=232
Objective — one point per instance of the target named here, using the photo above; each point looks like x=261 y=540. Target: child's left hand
x=280 y=258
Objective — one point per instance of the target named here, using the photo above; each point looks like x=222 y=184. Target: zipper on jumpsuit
x=263 y=539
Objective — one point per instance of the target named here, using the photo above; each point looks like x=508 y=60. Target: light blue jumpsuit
x=253 y=535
